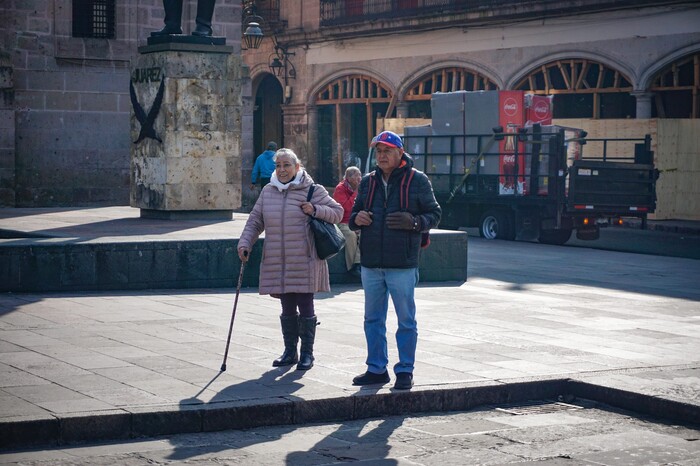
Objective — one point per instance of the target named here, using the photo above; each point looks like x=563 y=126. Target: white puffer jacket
x=289 y=262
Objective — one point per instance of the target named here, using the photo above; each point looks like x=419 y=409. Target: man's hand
x=400 y=221
x=243 y=254
x=363 y=218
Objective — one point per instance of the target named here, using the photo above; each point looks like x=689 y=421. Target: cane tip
x=223 y=368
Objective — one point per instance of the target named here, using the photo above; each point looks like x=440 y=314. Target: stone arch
x=326 y=80
x=353 y=88
x=648 y=75
x=447 y=77
x=672 y=86
x=609 y=62
x=342 y=112
x=582 y=86
x=415 y=92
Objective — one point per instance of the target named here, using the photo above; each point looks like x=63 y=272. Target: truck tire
x=557 y=237
x=494 y=225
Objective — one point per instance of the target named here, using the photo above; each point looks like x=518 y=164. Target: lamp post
x=283 y=68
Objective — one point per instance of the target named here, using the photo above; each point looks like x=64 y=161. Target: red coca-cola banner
x=511 y=118
x=539 y=109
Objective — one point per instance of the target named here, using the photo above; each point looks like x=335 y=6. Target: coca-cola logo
x=541 y=109
x=509 y=158
x=510 y=106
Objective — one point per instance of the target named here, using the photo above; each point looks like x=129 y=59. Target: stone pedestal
x=186 y=131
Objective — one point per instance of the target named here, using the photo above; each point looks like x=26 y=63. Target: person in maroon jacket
x=345 y=194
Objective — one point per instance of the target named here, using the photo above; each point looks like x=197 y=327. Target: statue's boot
x=173 y=18
x=205 y=11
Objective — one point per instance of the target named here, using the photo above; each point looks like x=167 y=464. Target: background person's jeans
x=378 y=285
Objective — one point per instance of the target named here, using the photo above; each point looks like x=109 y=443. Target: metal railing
x=334 y=12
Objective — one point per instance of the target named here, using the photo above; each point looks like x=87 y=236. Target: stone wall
x=7 y=133
x=70 y=128
x=35 y=265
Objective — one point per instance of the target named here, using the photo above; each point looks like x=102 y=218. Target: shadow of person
x=277 y=383
x=366 y=440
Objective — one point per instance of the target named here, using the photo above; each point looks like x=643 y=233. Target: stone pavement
x=579 y=432
x=532 y=322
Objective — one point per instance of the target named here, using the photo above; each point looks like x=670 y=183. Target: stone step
x=37 y=265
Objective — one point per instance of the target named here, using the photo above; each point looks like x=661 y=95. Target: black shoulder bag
x=328 y=238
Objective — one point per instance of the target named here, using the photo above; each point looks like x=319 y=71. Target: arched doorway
x=267 y=114
x=347 y=112
x=582 y=88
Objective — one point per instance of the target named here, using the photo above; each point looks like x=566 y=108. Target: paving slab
x=583 y=433
x=532 y=321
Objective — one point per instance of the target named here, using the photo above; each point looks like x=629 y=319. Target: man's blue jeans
x=378 y=285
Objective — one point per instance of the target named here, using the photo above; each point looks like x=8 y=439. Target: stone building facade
x=65 y=106
x=351 y=61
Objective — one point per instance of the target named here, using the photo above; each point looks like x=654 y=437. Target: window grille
x=93 y=18
x=582 y=88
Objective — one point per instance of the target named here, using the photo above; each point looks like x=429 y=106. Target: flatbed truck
x=543 y=188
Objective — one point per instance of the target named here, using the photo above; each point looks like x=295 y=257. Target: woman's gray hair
x=284 y=152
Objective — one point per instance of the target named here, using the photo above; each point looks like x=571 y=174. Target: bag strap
x=405 y=184
x=311 y=193
x=370 y=191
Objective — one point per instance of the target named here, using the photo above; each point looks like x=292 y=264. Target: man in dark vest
x=173 y=18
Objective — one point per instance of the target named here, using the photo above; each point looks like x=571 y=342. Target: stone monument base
x=186 y=39
x=186 y=128
x=187 y=214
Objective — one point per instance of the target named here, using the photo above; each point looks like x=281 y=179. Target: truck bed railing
x=618 y=176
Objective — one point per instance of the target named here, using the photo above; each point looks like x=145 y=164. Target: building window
x=676 y=89
x=449 y=80
x=582 y=89
x=93 y=18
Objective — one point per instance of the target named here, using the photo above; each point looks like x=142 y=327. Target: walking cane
x=233 y=314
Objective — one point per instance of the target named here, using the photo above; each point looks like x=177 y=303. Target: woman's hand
x=308 y=208
x=243 y=254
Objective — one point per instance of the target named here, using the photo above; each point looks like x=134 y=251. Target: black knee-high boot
x=307 y=333
x=290 y=335
x=173 y=18
x=205 y=11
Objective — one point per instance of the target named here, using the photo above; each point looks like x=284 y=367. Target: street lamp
x=280 y=64
x=253 y=35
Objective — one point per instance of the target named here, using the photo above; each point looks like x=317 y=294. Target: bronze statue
x=173 y=18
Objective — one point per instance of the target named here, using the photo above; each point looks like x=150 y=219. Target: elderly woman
x=290 y=268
